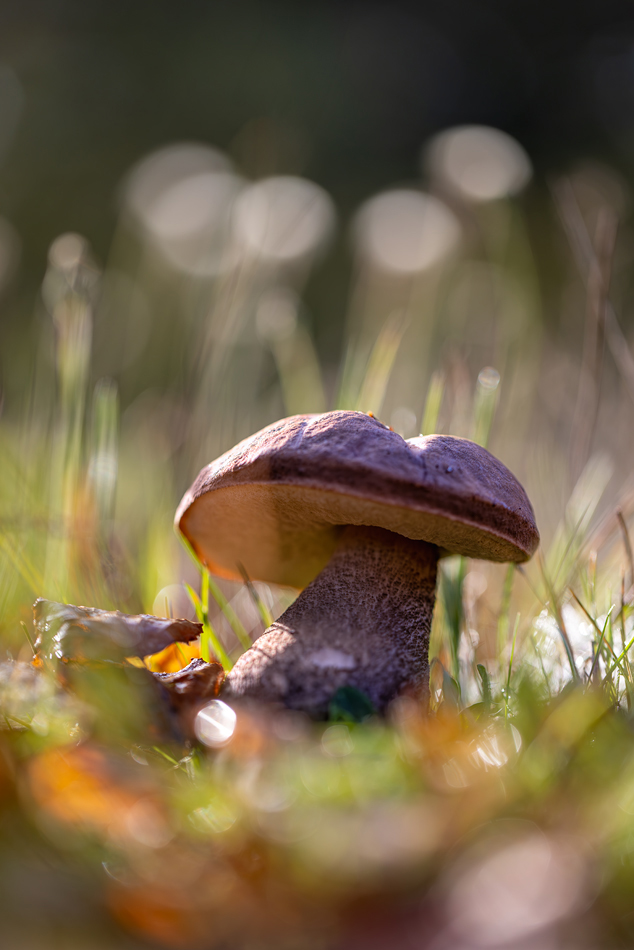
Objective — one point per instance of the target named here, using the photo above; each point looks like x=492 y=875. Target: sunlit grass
x=286 y=830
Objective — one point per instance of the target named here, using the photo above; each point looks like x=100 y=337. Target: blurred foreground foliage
x=501 y=816
x=466 y=826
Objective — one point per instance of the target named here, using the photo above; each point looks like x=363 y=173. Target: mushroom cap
x=276 y=503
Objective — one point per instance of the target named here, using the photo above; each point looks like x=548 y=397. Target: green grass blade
x=598 y=650
x=209 y=640
x=485 y=403
x=236 y=624
x=381 y=363
x=433 y=402
x=508 y=678
x=505 y=606
x=560 y=623
x=264 y=612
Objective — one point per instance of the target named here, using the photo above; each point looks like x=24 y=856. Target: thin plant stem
x=598 y=650
x=508 y=678
x=236 y=624
x=262 y=609
x=208 y=638
x=505 y=606
x=560 y=623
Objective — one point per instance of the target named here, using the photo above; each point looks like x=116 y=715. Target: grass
x=515 y=791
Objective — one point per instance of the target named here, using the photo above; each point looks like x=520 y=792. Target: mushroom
x=343 y=508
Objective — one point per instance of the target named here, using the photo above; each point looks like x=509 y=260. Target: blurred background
x=256 y=194
x=217 y=215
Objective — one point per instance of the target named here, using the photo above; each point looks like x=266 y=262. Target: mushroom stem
x=364 y=622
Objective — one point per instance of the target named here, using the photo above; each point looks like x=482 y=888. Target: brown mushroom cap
x=276 y=503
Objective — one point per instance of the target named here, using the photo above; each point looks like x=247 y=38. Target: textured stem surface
x=363 y=622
